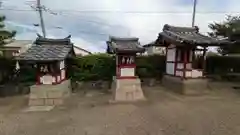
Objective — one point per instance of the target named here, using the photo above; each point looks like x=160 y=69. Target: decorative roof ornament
x=124 y=45
x=189 y=36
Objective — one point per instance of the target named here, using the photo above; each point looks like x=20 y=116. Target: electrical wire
x=128 y=12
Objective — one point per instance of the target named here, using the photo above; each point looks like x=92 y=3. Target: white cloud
x=122 y=22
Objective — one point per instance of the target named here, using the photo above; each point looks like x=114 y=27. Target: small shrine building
x=126 y=85
x=49 y=58
x=184 y=71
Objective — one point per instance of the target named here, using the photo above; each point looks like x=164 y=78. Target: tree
x=5 y=34
x=229 y=28
x=211 y=53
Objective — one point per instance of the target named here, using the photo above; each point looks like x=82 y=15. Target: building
x=15 y=47
x=49 y=58
x=126 y=85
x=153 y=48
x=184 y=72
x=80 y=51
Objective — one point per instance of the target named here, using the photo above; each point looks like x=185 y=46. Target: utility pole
x=194 y=12
x=39 y=8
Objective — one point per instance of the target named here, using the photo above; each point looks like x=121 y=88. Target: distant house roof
x=47 y=50
x=150 y=44
x=82 y=49
x=124 y=45
x=17 y=43
x=154 y=43
x=190 y=36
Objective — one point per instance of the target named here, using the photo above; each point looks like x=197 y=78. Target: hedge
x=102 y=67
x=92 y=67
x=6 y=69
x=222 y=64
x=150 y=66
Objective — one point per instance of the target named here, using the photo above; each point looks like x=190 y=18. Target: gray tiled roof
x=46 y=53
x=190 y=35
x=124 y=44
x=42 y=41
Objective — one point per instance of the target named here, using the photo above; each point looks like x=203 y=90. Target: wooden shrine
x=126 y=85
x=49 y=58
x=185 y=60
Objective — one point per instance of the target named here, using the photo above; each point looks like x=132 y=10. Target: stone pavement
x=164 y=113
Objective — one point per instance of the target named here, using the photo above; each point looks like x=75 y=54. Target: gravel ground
x=165 y=113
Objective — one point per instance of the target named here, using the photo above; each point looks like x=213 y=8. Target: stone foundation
x=187 y=86
x=49 y=95
x=125 y=90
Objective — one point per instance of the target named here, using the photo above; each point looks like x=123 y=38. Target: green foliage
x=6 y=64
x=93 y=67
x=210 y=53
x=5 y=34
x=228 y=28
x=222 y=64
x=6 y=68
x=150 y=66
x=27 y=74
x=103 y=67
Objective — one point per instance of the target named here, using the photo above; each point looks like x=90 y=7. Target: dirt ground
x=164 y=113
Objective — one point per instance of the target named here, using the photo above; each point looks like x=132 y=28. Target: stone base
x=49 y=95
x=127 y=90
x=187 y=86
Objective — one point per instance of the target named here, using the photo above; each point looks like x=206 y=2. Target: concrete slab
x=127 y=90
x=38 y=108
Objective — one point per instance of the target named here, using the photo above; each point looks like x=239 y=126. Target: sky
x=91 y=22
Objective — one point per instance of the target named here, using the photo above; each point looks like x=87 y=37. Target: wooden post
x=204 y=60
x=117 y=65
x=185 y=63
x=176 y=61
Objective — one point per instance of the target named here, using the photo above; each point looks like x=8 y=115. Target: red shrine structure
x=49 y=58
x=126 y=85
x=185 y=58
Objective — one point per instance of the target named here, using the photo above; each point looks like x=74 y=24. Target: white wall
x=80 y=52
x=155 y=50
x=62 y=64
x=179 y=73
x=127 y=72
x=171 y=54
x=47 y=79
x=170 y=68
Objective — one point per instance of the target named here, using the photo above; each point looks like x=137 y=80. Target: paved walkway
x=164 y=113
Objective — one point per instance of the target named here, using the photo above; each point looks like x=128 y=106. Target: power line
x=194 y=12
x=127 y=12
x=39 y=8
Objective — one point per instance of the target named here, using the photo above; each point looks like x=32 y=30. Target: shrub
x=93 y=67
x=222 y=64
x=103 y=67
x=150 y=66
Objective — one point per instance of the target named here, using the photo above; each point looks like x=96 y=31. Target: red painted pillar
x=176 y=62
x=185 y=58
x=38 y=78
x=117 y=66
x=204 y=61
